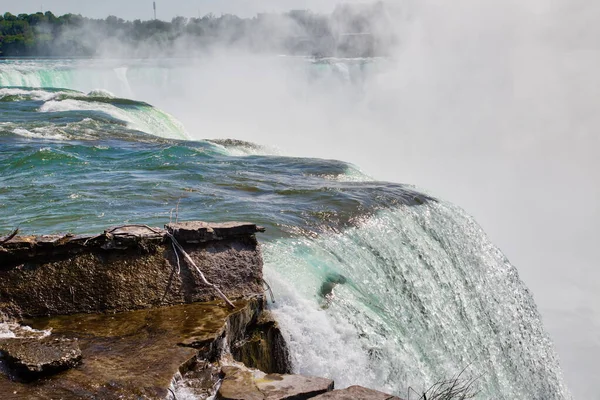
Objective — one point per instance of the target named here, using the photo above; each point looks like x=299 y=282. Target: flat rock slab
x=131 y=355
x=244 y=384
x=239 y=384
x=15 y=250
x=199 y=231
x=30 y=358
x=356 y=393
x=292 y=387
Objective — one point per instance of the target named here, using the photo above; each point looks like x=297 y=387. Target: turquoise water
x=427 y=294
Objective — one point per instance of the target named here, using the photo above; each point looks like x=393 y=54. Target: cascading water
x=131 y=79
x=71 y=107
x=426 y=294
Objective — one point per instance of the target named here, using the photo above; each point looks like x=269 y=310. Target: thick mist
x=491 y=105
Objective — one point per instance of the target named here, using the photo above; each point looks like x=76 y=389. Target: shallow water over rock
x=132 y=354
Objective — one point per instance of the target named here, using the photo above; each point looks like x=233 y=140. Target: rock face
x=263 y=347
x=31 y=358
x=128 y=268
x=356 y=393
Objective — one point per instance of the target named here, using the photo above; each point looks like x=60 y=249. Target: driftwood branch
x=177 y=211
x=270 y=291
x=176 y=257
x=186 y=256
x=116 y=228
x=9 y=237
x=173 y=393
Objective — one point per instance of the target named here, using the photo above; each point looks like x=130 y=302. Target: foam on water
x=141 y=117
x=12 y=330
x=15 y=93
x=46 y=132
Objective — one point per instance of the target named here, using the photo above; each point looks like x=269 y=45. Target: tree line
x=349 y=31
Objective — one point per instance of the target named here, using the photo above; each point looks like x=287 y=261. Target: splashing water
x=427 y=295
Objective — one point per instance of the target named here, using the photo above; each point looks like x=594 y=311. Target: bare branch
x=270 y=291
x=187 y=257
x=9 y=237
x=173 y=393
x=177 y=211
x=177 y=258
x=455 y=388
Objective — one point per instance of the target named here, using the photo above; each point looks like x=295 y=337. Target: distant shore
x=350 y=31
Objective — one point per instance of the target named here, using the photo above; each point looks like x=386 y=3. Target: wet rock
x=264 y=347
x=242 y=383
x=200 y=381
x=238 y=384
x=292 y=387
x=127 y=268
x=133 y=355
x=29 y=359
x=331 y=281
x=356 y=393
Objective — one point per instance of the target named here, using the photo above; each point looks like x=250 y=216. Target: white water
x=428 y=295
x=23 y=94
x=9 y=330
x=142 y=118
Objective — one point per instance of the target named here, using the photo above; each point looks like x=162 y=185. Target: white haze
x=491 y=105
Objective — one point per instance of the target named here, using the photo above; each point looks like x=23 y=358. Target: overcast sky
x=167 y=9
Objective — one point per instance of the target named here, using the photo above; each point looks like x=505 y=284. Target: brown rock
x=239 y=384
x=292 y=387
x=127 y=268
x=198 y=231
x=356 y=393
x=264 y=347
x=244 y=384
x=132 y=355
x=30 y=358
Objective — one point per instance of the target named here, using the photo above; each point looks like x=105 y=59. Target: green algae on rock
x=264 y=347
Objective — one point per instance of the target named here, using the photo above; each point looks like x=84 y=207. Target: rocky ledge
x=145 y=313
x=128 y=268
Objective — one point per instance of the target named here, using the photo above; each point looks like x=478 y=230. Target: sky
x=166 y=10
